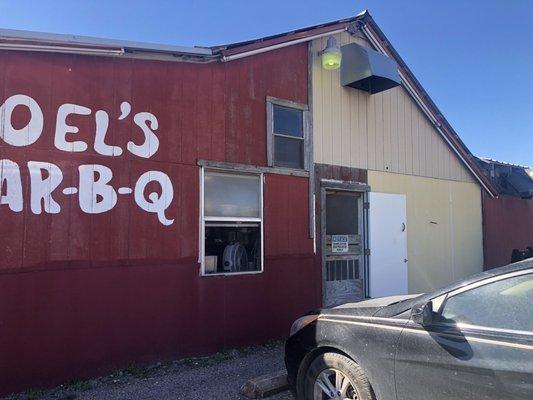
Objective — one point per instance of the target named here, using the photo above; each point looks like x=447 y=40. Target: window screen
x=342 y=215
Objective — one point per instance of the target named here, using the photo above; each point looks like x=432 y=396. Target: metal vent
x=365 y=69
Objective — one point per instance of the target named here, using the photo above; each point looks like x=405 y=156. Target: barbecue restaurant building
x=159 y=202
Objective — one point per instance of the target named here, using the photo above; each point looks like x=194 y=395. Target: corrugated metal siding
x=508 y=225
x=444 y=227
x=383 y=132
x=84 y=293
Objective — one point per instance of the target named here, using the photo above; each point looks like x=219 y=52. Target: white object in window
x=288 y=134
x=231 y=222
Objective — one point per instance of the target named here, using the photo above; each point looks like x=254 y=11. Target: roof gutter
x=279 y=45
x=369 y=34
x=62 y=49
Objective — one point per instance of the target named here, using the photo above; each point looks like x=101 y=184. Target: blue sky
x=474 y=58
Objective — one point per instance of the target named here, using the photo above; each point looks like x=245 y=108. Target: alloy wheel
x=334 y=384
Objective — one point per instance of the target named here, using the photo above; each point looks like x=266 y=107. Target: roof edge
x=66 y=40
x=232 y=49
x=441 y=122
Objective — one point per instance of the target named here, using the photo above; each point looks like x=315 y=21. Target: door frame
x=345 y=186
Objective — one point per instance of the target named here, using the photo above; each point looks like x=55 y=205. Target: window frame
x=270 y=103
x=255 y=220
x=442 y=300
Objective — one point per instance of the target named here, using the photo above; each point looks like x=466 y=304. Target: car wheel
x=334 y=376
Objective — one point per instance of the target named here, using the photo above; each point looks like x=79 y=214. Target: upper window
x=287 y=134
x=504 y=304
x=232 y=223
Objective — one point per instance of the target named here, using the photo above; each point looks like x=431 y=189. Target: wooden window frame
x=270 y=103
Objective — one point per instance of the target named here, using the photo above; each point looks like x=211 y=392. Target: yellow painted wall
x=444 y=227
x=382 y=132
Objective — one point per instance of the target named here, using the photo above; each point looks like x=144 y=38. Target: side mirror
x=422 y=314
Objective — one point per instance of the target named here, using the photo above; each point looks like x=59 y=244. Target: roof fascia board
x=303 y=36
x=378 y=39
x=280 y=45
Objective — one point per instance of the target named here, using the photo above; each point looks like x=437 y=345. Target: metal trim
x=426 y=110
x=310 y=146
x=64 y=40
x=279 y=45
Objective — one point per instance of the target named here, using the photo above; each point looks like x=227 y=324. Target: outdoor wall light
x=331 y=55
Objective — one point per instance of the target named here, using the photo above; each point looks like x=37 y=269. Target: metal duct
x=366 y=69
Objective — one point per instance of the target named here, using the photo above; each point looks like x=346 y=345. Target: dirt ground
x=217 y=377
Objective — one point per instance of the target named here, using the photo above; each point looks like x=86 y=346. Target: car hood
x=368 y=307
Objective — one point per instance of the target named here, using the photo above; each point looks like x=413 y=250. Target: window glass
x=288 y=121
x=288 y=152
x=230 y=195
x=232 y=247
x=505 y=304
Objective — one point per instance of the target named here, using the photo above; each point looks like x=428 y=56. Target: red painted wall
x=83 y=293
x=507 y=225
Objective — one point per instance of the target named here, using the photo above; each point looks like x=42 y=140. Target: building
x=164 y=202
x=508 y=218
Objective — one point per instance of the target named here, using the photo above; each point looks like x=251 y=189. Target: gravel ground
x=217 y=377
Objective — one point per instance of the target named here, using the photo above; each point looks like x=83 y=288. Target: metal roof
x=493 y=161
x=227 y=52
x=510 y=179
x=14 y=35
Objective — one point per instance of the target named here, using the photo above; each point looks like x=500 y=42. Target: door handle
x=405 y=260
x=403 y=226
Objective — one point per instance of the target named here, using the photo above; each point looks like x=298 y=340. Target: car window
x=504 y=304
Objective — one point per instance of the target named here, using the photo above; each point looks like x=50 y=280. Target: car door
x=479 y=345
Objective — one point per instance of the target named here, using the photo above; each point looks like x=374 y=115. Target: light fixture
x=331 y=55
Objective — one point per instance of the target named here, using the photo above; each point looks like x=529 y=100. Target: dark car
x=471 y=340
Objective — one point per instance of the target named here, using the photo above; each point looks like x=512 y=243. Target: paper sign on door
x=339 y=243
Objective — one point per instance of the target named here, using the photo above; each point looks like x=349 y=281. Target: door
x=388 y=244
x=343 y=247
x=479 y=346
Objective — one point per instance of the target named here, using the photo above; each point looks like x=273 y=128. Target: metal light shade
x=331 y=55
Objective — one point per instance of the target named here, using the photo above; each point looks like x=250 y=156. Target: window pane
x=229 y=195
x=288 y=121
x=288 y=152
x=232 y=247
x=505 y=304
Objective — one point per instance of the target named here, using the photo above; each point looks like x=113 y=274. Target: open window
x=232 y=222
x=287 y=126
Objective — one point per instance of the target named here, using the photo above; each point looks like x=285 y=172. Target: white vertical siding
x=382 y=132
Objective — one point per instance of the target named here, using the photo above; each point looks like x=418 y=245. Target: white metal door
x=388 y=244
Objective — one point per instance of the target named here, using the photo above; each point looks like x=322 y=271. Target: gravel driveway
x=217 y=377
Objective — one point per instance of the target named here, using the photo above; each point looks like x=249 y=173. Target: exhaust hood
x=366 y=69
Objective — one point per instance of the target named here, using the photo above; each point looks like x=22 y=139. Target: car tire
x=332 y=363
